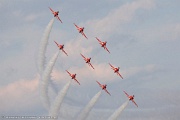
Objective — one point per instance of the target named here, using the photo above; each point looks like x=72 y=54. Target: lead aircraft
x=55 y=13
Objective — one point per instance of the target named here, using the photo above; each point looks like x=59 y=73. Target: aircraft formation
x=87 y=60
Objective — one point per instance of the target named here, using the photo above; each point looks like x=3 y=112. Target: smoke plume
x=116 y=114
x=85 y=112
x=45 y=81
x=55 y=107
x=43 y=46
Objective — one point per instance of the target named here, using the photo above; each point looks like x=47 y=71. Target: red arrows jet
x=103 y=44
x=73 y=76
x=103 y=87
x=81 y=30
x=55 y=14
x=61 y=47
x=131 y=98
x=87 y=60
x=116 y=70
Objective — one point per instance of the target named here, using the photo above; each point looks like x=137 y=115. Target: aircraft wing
x=84 y=35
x=107 y=92
x=76 y=81
x=83 y=56
x=68 y=72
x=64 y=52
x=119 y=75
x=99 y=83
x=111 y=66
x=51 y=10
x=106 y=49
x=91 y=65
x=76 y=26
x=58 y=18
x=98 y=40
x=56 y=43
x=126 y=94
x=134 y=103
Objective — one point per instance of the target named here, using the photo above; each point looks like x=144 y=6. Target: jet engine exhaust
x=45 y=81
x=85 y=112
x=43 y=46
x=55 y=107
x=116 y=114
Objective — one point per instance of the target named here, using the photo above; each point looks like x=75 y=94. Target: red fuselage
x=61 y=47
x=81 y=30
x=73 y=76
x=116 y=69
x=103 y=44
x=88 y=60
x=131 y=97
x=103 y=87
x=56 y=13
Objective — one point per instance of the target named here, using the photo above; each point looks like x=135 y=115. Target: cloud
x=19 y=95
x=101 y=72
x=129 y=72
x=167 y=32
x=31 y=17
x=112 y=22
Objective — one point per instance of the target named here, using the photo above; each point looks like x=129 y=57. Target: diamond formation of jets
x=61 y=47
x=55 y=14
x=73 y=76
x=131 y=98
x=116 y=70
x=103 y=87
x=81 y=30
x=87 y=60
x=103 y=44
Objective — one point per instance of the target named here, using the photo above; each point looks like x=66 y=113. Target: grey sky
x=142 y=36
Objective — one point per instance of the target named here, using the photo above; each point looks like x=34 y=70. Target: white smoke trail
x=85 y=112
x=43 y=46
x=116 y=114
x=55 y=107
x=45 y=81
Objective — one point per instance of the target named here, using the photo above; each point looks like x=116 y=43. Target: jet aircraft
x=103 y=44
x=61 y=47
x=103 y=87
x=55 y=14
x=116 y=70
x=73 y=76
x=87 y=60
x=131 y=98
x=81 y=30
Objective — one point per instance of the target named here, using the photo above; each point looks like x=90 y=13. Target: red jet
x=55 y=14
x=73 y=76
x=61 y=47
x=116 y=70
x=81 y=30
x=103 y=87
x=87 y=61
x=103 y=44
x=131 y=98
